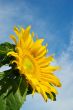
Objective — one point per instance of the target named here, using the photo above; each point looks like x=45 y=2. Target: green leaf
x=4 y=49
x=13 y=90
x=14 y=102
x=2 y=103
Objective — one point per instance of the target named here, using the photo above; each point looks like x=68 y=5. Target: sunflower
x=32 y=61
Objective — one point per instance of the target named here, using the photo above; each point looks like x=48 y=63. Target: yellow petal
x=13 y=38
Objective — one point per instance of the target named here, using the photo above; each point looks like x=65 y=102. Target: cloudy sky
x=52 y=20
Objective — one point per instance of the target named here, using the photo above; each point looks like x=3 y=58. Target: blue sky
x=52 y=20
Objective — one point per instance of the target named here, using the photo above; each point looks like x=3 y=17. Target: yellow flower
x=32 y=62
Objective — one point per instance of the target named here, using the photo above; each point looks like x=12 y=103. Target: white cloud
x=4 y=68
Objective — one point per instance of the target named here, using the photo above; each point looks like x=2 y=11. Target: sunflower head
x=32 y=61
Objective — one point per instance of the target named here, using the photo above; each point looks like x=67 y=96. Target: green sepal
x=53 y=94
x=30 y=90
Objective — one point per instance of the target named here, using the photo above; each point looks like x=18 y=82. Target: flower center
x=29 y=65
